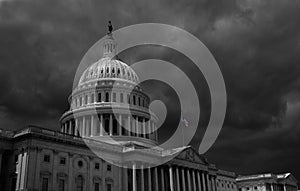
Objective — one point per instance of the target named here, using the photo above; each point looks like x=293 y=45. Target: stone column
x=101 y=125
x=144 y=128
x=134 y=177
x=76 y=127
x=149 y=128
x=125 y=172
x=208 y=183
x=272 y=188
x=120 y=125
x=203 y=181
x=142 y=178
x=92 y=126
x=37 y=170
x=153 y=133
x=83 y=127
x=110 y=125
x=137 y=130
x=128 y=125
x=189 y=179
x=156 y=178
x=149 y=178
x=284 y=188
x=171 y=178
x=194 y=180
x=177 y=179
x=70 y=127
x=183 y=179
x=199 y=180
x=162 y=179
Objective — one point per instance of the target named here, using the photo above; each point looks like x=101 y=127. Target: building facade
x=109 y=116
x=267 y=182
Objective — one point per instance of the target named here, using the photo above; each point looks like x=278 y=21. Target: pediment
x=290 y=180
x=189 y=154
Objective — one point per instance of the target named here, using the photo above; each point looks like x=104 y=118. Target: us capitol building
x=98 y=124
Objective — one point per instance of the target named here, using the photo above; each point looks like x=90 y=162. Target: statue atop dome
x=110 y=27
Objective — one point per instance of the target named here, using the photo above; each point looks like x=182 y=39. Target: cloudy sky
x=256 y=44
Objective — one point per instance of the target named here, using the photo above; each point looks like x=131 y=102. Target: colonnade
x=106 y=124
x=167 y=178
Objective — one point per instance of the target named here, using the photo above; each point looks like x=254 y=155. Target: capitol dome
x=108 y=67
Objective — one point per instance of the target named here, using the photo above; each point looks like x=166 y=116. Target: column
x=153 y=133
x=199 y=180
x=128 y=125
x=177 y=179
x=92 y=126
x=144 y=128
x=156 y=178
x=208 y=183
x=284 y=186
x=76 y=127
x=125 y=172
x=203 y=181
x=189 y=179
x=110 y=124
x=149 y=179
x=101 y=125
x=171 y=178
x=120 y=125
x=83 y=127
x=194 y=180
x=272 y=188
x=134 y=177
x=142 y=178
x=137 y=126
x=70 y=127
x=183 y=179
x=162 y=178
x=149 y=128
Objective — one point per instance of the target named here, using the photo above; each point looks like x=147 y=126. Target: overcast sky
x=256 y=44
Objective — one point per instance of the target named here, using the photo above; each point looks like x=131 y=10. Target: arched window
x=139 y=101
x=99 y=97
x=79 y=183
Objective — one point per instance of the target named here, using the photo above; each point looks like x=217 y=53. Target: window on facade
x=106 y=97
x=86 y=99
x=62 y=160
x=61 y=185
x=108 y=186
x=99 y=97
x=121 y=98
x=97 y=186
x=106 y=126
x=46 y=158
x=108 y=167
x=115 y=127
x=79 y=183
x=45 y=184
x=134 y=100
x=128 y=99
x=97 y=165
x=80 y=101
x=139 y=101
x=114 y=97
x=80 y=163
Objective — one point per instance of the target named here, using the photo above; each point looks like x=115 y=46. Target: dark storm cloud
x=256 y=43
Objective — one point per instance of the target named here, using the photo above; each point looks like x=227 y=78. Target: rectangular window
x=92 y=99
x=128 y=99
x=106 y=97
x=114 y=97
x=46 y=158
x=62 y=161
x=121 y=98
x=97 y=186
x=45 y=184
x=108 y=187
x=97 y=165
x=108 y=167
x=61 y=185
x=86 y=99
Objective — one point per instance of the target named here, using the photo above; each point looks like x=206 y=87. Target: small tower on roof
x=109 y=45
